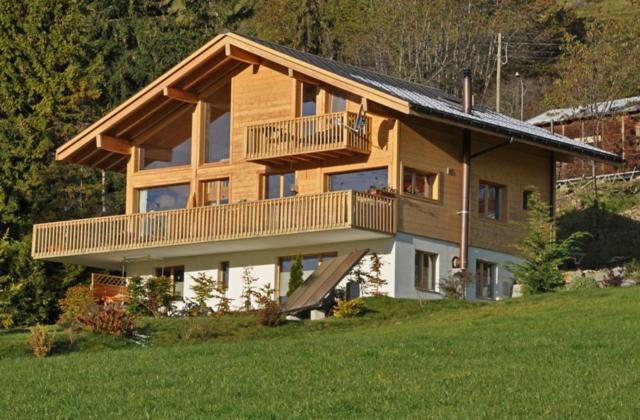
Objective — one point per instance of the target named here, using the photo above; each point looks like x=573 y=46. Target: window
x=308 y=100
x=219 y=130
x=526 y=199
x=169 y=146
x=163 y=198
x=359 y=180
x=337 y=102
x=485 y=279
x=215 y=192
x=491 y=201
x=309 y=264
x=279 y=185
x=223 y=274
x=175 y=276
x=420 y=184
x=425 y=271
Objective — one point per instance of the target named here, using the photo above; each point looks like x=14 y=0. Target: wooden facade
x=262 y=92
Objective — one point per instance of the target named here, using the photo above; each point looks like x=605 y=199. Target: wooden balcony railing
x=307 y=135
x=304 y=213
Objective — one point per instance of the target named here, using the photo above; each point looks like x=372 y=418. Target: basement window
x=526 y=199
x=485 y=279
x=176 y=278
x=492 y=200
x=425 y=271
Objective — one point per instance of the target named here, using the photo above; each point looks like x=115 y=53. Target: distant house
x=619 y=133
x=248 y=154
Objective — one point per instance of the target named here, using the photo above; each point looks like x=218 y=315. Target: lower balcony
x=279 y=223
x=308 y=138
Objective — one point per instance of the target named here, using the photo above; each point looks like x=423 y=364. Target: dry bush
x=40 y=341
x=111 y=319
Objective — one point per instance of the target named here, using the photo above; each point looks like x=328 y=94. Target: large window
x=163 y=198
x=170 y=145
x=337 y=102
x=215 y=192
x=308 y=99
x=219 y=131
x=309 y=264
x=485 y=279
x=425 y=270
x=359 y=180
x=279 y=185
x=491 y=201
x=176 y=278
x=420 y=184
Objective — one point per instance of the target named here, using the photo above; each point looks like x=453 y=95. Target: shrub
x=248 y=288
x=151 y=296
x=586 y=282
x=203 y=287
x=269 y=312
x=375 y=281
x=632 y=269
x=224 y=302
x=296 y=275
x=40 y=341
x=110 y=318
x=543 y=254
x=200 y=329
x=78 y=302
x=455 y=285
x=348 y=308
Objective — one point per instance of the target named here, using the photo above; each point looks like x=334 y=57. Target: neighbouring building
x=248 y=154
x=612 y=125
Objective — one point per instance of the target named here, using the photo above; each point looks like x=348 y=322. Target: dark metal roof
x=435 y=102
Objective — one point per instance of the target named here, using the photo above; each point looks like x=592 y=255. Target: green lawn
x=570 y=354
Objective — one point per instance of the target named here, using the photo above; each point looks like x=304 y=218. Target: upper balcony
x=265 y=224
x=307 y=138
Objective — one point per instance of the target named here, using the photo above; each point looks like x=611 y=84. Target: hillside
x=568 y=354
x=625 y=11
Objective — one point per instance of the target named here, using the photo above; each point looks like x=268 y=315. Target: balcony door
x=279 y=185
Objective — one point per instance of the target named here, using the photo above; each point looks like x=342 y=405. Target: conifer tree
x=296 y=275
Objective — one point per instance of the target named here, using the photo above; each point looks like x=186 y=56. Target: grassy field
x=570 y=354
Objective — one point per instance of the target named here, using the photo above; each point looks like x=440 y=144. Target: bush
x=40 y=341
x=203 y=288
x=200 y=329
x=455 y=285
x=269 y=312
x=78 y=302
x=248 y=288
x=151 y=296
x=375 y=281
x=632 y=269
x=543 y=254
x=586 y=282
x=348 y=308
x=110 y=318
x=296 y=275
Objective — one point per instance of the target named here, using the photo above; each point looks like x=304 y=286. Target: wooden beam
x=241 y=55
x=303 y=78
x=113 y=144
x=180 y=95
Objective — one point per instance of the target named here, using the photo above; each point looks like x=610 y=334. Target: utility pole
x=498 y=69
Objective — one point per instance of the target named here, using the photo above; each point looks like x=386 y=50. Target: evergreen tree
x=296 y=275
x=375 y=281
x=204 y=287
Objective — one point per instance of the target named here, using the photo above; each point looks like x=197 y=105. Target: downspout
x=466 y=176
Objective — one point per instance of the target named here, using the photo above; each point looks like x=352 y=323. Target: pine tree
x=204 y=287
x=248 y=288
x=296 y=275
x=375 y=281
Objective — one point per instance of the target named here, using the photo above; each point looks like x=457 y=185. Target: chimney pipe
x=467 y=97
x=466 y=176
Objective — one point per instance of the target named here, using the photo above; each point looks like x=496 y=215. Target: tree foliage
x=543 y=254
x=296 y=275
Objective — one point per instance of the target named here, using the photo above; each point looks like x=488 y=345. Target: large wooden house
x=248 y=154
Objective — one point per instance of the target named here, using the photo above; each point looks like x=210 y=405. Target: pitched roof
x=618 y=106
x=432 y=101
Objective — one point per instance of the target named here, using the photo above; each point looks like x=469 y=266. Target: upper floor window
x=163 y=198
x=215 y=192
x=170 y=145
x=491 y=201
x=420 y=184
x=308 y=99
x=359 y=180
x=337 y=102
x=219 y=131
x=279 y=185
x=526 y=199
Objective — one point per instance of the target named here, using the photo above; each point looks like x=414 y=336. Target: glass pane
x=210 y=193
x=218 y=138
x=272 y=186
x=224 y=191
x=338 y=103
x=358 y=181
x=407 y=182
x=481 y=198
x=418 y=271
x=308 y=99
x=491 y=202
x=163 y=198
x=170 y=146
x=289 y=180
x=497 y=203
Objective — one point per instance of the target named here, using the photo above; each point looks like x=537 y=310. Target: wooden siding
x=435 y=147
x=301 y=214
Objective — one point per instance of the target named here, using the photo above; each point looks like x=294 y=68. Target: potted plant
x=382 y=191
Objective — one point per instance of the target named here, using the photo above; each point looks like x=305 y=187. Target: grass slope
x=570 y=354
